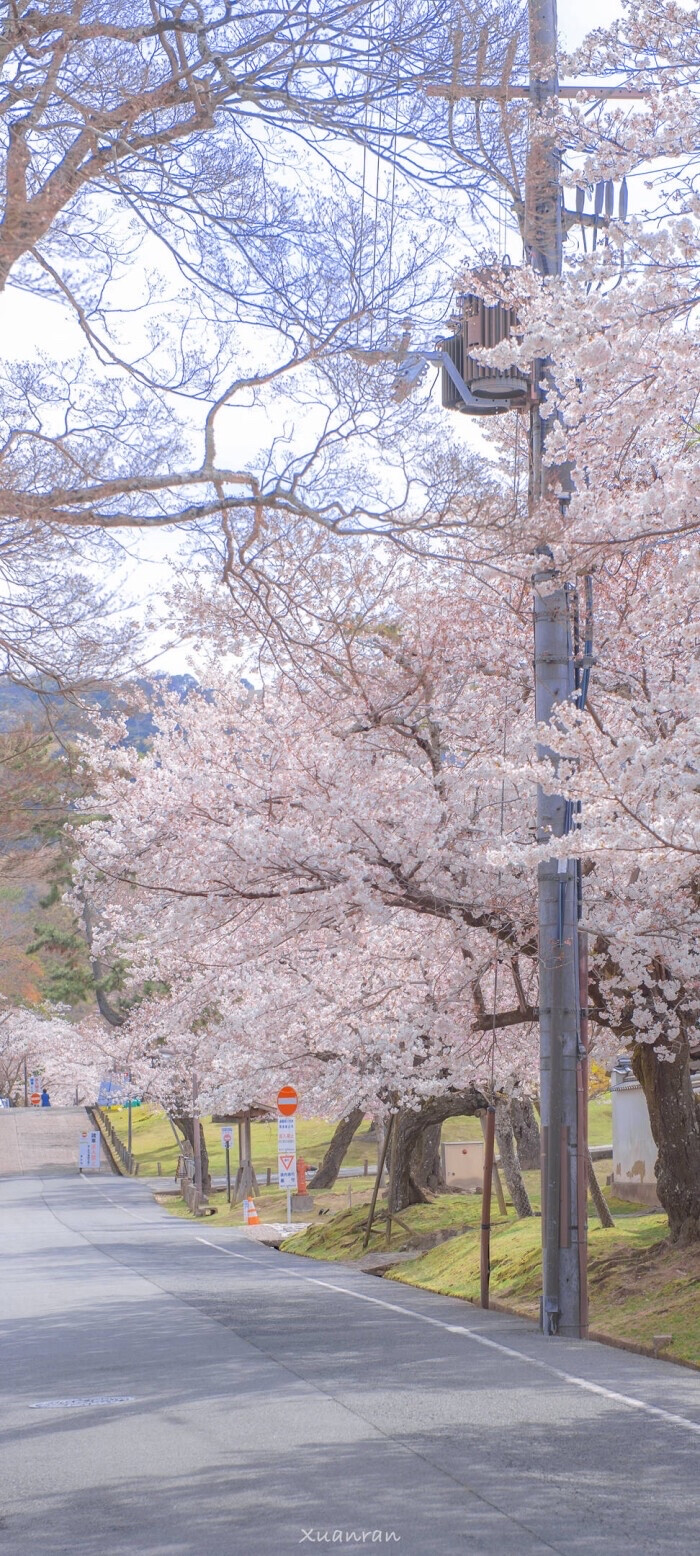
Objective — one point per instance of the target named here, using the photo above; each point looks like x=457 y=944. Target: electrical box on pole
x=483 y=325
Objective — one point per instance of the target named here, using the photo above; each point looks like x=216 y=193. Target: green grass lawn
x=271 y=1204
x=153 y=1139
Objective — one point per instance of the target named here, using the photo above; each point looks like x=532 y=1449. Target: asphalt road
x=263 y=1404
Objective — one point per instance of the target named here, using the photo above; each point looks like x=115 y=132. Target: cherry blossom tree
x=355 y=841
x=347 y=924
x=70 y=1059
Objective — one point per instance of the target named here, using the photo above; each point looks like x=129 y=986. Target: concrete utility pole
x=563 y=979
x=564 y=1230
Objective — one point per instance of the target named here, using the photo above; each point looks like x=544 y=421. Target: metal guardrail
x=125 y=1159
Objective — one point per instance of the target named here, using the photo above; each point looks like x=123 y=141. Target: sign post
x=226 y=1139
x=287 y=1102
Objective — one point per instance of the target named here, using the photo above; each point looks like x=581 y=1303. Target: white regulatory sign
x=89 y=1151
x=287 y=1152
x=286 y=1134
x=227 y=1136
x=287 y=1171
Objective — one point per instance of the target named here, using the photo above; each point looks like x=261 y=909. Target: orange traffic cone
x=253 y=1217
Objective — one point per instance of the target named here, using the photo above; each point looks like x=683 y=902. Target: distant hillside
x=22 y=704
x=27 y=852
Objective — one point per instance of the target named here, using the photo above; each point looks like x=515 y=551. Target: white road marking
x=81 y=1403
x=115 y=1202
x=471 y=1334
x=479 y=1339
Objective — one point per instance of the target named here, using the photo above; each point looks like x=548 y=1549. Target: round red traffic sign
x=287 y=1101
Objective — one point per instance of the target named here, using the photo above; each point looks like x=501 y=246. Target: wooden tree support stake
x=495 y=1174
x=489 y=1126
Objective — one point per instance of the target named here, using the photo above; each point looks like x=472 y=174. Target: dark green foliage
x=67 y=977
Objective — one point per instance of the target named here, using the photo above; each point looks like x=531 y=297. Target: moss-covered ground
x=640 y=1285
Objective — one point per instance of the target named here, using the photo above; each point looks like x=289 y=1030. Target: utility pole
x=563 y=991
x=561 y=1052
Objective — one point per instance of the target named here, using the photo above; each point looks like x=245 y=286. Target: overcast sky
x=30 y=324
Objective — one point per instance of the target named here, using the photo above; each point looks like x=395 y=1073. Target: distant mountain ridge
x=20 y=704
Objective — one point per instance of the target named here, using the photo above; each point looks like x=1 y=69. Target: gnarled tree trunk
x=332 y=1162
x=426 y=1162
x=507 y=1150
x=674 y=1116
x=413 y=1122
x=527 y=1133
x=185 y=1124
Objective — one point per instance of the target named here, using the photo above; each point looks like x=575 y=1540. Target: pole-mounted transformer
x=491 y=389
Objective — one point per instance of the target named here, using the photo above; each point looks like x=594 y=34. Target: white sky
x=30 y=325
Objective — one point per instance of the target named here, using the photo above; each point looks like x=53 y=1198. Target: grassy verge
x=271 y=1205
x=639 y=1284
x=343 y=1236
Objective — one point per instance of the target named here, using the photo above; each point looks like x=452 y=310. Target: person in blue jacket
x=45 y=1099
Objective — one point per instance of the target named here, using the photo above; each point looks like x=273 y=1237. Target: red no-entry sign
x=287 y=1101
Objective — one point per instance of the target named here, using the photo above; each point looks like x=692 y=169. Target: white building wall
x=634 y=1151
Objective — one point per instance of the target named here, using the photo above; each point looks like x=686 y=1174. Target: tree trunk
x=674 y=1116
x=328 y=1171
x=185 y=1124
x=527 y=1133
x=404 y=1139
x=507 y=1150
x=602 y=1208
x=426 y=1162
x=412 y=1126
